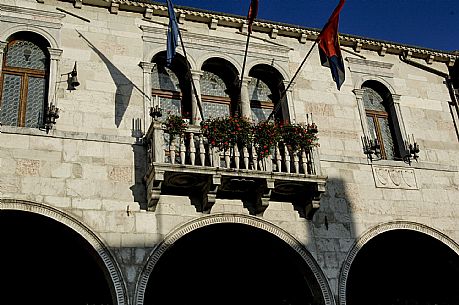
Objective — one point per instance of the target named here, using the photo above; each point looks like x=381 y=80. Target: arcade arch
x=401 y=263
x=52 y=258
x=231 y=259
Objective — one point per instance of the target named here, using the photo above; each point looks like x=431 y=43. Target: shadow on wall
x=138 y=189
x=332 y=229
x=124 y=86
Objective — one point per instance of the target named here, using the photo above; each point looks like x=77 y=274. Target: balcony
x=188 y=166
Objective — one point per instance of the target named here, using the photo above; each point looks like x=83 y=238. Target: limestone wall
x=91 y=165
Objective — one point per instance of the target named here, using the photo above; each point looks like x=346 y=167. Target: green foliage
x=298 y=136
x=225 y=132
x=266 y=134
x=175 y=125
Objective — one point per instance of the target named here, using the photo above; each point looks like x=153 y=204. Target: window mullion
x=379 y=136
x=23 y=100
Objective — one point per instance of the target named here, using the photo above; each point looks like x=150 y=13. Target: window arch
x=170 y=87
x=381 y=119
x=265 y=91
x=24 y=80
x=219 y=88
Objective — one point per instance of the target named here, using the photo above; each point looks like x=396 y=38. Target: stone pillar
x=2 y=48
x=397 y=120
x=363 y=117
x=55 y=56
x=147 y=98
x=195 y=113
x=246 y=112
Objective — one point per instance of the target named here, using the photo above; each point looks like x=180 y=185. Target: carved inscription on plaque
x=394 y=177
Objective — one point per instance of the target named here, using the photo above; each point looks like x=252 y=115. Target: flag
x=329 y=49
x=253 y=12
x=172 y=34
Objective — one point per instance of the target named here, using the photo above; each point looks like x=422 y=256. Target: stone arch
x=186 y=228
x=280 y=69
x=81 y=229
x=29 y=28
x=379 y=229
x=209 y=55
x=152 y=53
x=364 y=78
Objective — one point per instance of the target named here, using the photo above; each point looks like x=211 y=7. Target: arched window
x=219 y=88
x=215 y=99
x=380 y=119
x=24 y=81
x=265 y=90
x=170 y=88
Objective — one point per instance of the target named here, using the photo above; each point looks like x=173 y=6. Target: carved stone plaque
x=394 y=177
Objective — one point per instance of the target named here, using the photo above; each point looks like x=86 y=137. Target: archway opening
x=404 y=267
x=45 y=262
x=231 y=264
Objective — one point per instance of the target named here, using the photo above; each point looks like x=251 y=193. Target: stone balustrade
x=188 y=165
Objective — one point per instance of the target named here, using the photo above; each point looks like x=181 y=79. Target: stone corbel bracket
x=154 y=190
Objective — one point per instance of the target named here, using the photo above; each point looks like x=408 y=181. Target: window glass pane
x=35 y=102
x=259 y=91
x=163 y=78
x=260 y=114
x=214 y=110
x=372 y=100
x=169 y=106
x=371 y=127
x=10 y=99
x=212 y=84
x=387 y=138
x=25 y=54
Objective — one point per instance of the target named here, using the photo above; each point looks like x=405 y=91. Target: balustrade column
x=147 y=100
x=246 y=112
x=195 y=113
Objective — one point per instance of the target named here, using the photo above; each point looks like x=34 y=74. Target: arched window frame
x=274 y=82
x=215 y=105
x=25 y=74
x=183 y=88
x=394 y=113
x=44 y=23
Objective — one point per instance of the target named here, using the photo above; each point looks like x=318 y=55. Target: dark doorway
x=45 y=262
x=404 y=267
x=231 y=264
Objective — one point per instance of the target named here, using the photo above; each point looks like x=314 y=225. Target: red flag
x=329 y=49
x=253 y=12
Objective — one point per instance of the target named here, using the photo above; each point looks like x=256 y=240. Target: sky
x=432 y=24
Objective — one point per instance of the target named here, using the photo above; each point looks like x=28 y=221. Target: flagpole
x=198 y=100
x=284 y=92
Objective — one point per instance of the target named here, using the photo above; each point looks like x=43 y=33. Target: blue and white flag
x=172 y=34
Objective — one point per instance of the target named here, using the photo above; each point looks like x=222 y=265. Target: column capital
x=246 y=81
x=358 y=93
x=55 y=54
x=196 y=74
x=396 y=98
x=286 y=83
x=147 y=66
x=2 y=46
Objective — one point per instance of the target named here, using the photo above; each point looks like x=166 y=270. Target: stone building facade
x=97 y=207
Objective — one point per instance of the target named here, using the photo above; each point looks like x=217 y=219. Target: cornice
x=300 y=33
x=30 y=11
